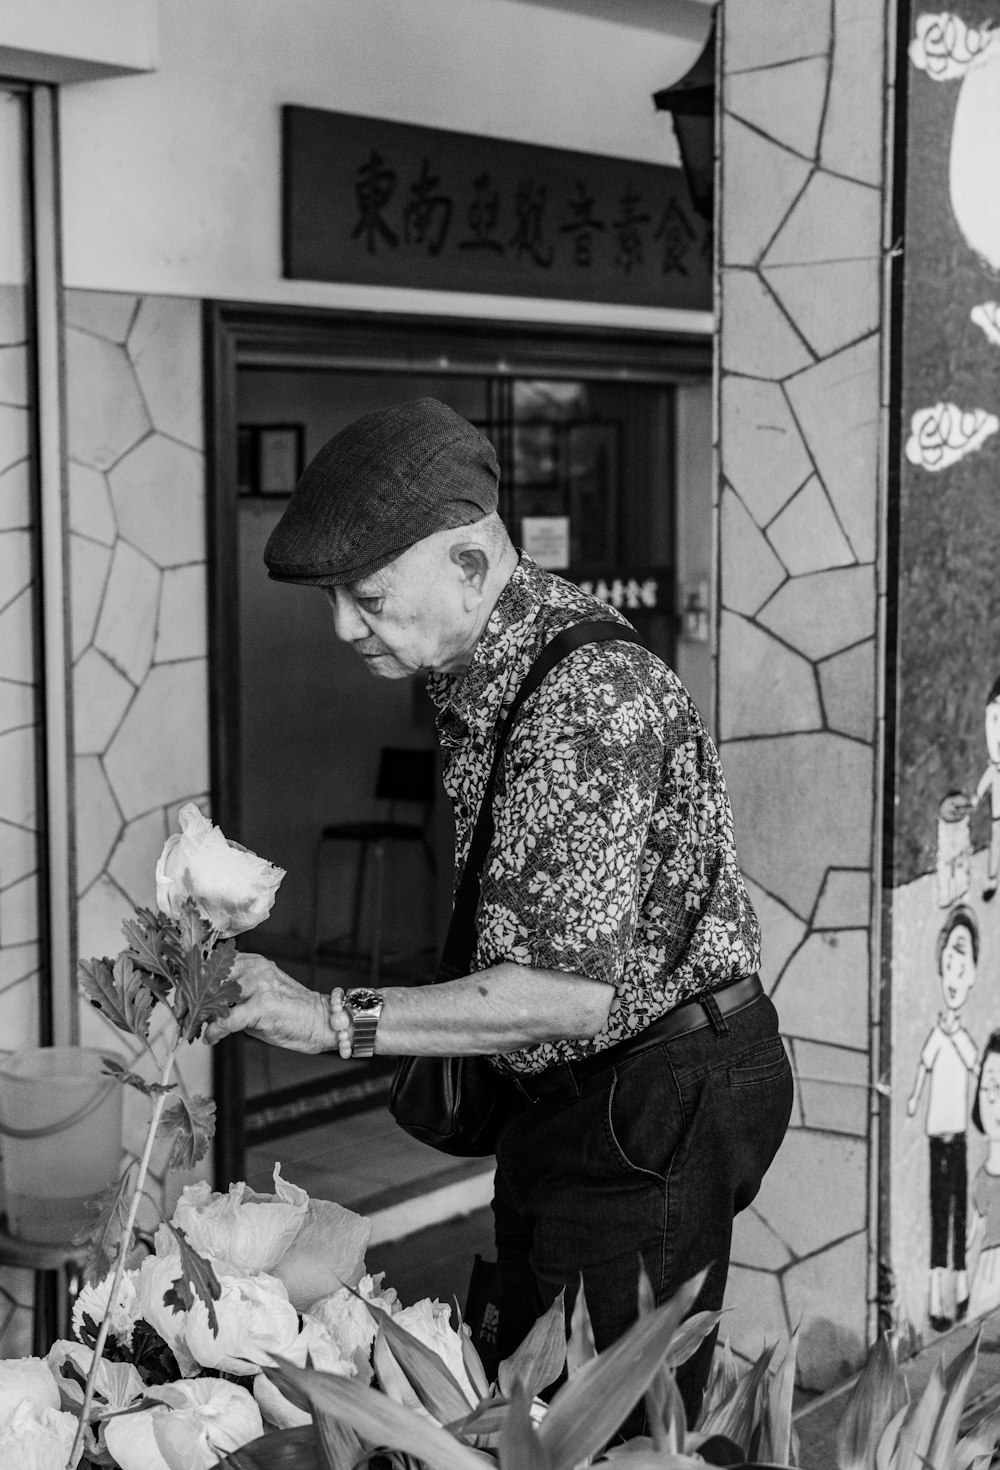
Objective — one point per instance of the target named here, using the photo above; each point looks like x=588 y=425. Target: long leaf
x=722 y=1379
x=957 y=1378
x=580 y=1349
x=429 y=1377
x=876 y=1398
x=980 y=1441
x=339 y=1445
x=736 y=1417
x=280 y=1449
x=540 y=1358
x=887 y=1452
x=485 y=1420
x=918 y=1429
x=776 y=1441
x=591 y=1406
x=689 y=1336
x=377 y=1419
x=520 y=1447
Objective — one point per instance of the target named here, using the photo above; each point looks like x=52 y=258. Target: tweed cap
x=380 y=486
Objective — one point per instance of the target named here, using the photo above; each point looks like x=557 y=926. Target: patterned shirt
x=613 y=855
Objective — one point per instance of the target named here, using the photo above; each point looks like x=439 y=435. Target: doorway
x=600 y=439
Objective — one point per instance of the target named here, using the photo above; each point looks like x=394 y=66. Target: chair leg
x=376 y=954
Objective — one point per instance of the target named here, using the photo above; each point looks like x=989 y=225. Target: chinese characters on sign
x=384 y=203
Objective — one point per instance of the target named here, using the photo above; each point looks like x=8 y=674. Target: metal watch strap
x=366 y=1009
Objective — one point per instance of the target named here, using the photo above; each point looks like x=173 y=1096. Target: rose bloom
x=35 y=1439
x=26 y=1379
x=250 y=1232
x=194 y=1423
x=327 y=1253
x=351 y=1325
x=255 y=1318
x=233 y=888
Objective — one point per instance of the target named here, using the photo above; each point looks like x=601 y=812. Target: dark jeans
x=949 y=1187
x=654 y=1155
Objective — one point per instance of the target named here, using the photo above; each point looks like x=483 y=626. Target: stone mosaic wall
x=140 y=684
x=19 y=715
x=799 y=413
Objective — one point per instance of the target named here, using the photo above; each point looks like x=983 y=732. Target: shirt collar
x=477 y=696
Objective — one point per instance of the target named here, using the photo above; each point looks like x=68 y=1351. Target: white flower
x=327 y=1253
x=193 y=1425
x=35 y=1439
x=93 y=1300
x=27 y=1379
x=249 y=1231
x=117 y=1384
x=430 y=1323
x=349 y=1322
x=255 y=1319
x=233 y=888
x=314 y=1347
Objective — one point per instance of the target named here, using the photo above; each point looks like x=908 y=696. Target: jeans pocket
x=643 y=1122
x=766 y=1066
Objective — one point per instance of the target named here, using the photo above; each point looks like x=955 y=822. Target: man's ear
x=473 y=563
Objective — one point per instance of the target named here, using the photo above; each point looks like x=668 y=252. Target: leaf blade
x=539 y=1359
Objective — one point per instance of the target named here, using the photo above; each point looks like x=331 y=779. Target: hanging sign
x=382 y=203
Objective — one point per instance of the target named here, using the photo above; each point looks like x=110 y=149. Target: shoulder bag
x=457 y=1104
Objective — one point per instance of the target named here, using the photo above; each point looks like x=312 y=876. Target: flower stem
x=137 y=1193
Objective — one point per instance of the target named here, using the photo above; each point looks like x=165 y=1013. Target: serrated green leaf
x=540 y=1358
x=593 y=1403
x=112 y=1067
x=103 y=1234
x=197 y=1281
x=204 y=990
x=193 y=928
x=519 y=1446
x=191 y=1123
x=376 y=1418
x=152 y=945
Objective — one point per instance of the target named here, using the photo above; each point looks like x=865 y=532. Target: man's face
x=958 y=968
x=409 y=617
x=993 y=731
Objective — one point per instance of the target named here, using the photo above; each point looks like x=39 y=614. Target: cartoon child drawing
x=984 y=1226
x=989 y=784
x=948 y=1059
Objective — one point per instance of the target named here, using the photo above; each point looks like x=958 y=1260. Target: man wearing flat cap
x=614 y=982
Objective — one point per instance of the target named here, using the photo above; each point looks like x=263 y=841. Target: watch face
x=362 y=999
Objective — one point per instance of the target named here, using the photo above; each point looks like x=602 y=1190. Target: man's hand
x=276 y=1009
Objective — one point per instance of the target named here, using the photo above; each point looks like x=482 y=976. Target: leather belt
x=690 y=1015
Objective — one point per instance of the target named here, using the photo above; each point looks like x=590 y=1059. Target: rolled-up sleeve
x=567 y=867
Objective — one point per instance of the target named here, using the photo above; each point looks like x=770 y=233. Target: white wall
x=172 y=180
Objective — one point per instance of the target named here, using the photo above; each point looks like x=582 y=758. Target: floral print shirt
x=613 y=855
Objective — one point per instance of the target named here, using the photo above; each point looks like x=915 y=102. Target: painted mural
x=945 y=1138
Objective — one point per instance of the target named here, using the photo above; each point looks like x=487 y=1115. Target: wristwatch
x=366 y=1008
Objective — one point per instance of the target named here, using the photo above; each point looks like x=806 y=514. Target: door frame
x=240 y=334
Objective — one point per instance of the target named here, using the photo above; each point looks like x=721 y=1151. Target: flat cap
x=380 y=486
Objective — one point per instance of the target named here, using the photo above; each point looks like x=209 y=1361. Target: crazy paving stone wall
x=19 y=716
x=139 y=632
x=800 y=249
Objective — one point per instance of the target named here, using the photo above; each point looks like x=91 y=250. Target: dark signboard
x=383 y=203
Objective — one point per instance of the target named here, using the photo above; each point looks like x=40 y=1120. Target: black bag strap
x=460 y=942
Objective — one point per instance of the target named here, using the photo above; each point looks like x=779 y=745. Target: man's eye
x=370 y=604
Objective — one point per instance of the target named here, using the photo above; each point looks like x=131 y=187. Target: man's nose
x=348 y=624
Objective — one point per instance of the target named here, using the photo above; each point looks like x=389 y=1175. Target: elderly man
x=614 y=976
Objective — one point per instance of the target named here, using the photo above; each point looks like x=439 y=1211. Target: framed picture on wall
x=270 y=458
x=280 y=457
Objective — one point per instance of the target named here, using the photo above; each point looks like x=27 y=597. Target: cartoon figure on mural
x=984 y=1223
x=949 y=50
x=989 y=785
x=947 y=1062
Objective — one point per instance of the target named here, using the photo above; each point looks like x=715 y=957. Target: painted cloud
x=942 y=435
x=974 y=172
x=987 y=316
x=945 y=47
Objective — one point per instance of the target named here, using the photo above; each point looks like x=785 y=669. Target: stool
x=403 y=776
x=57 y=1265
